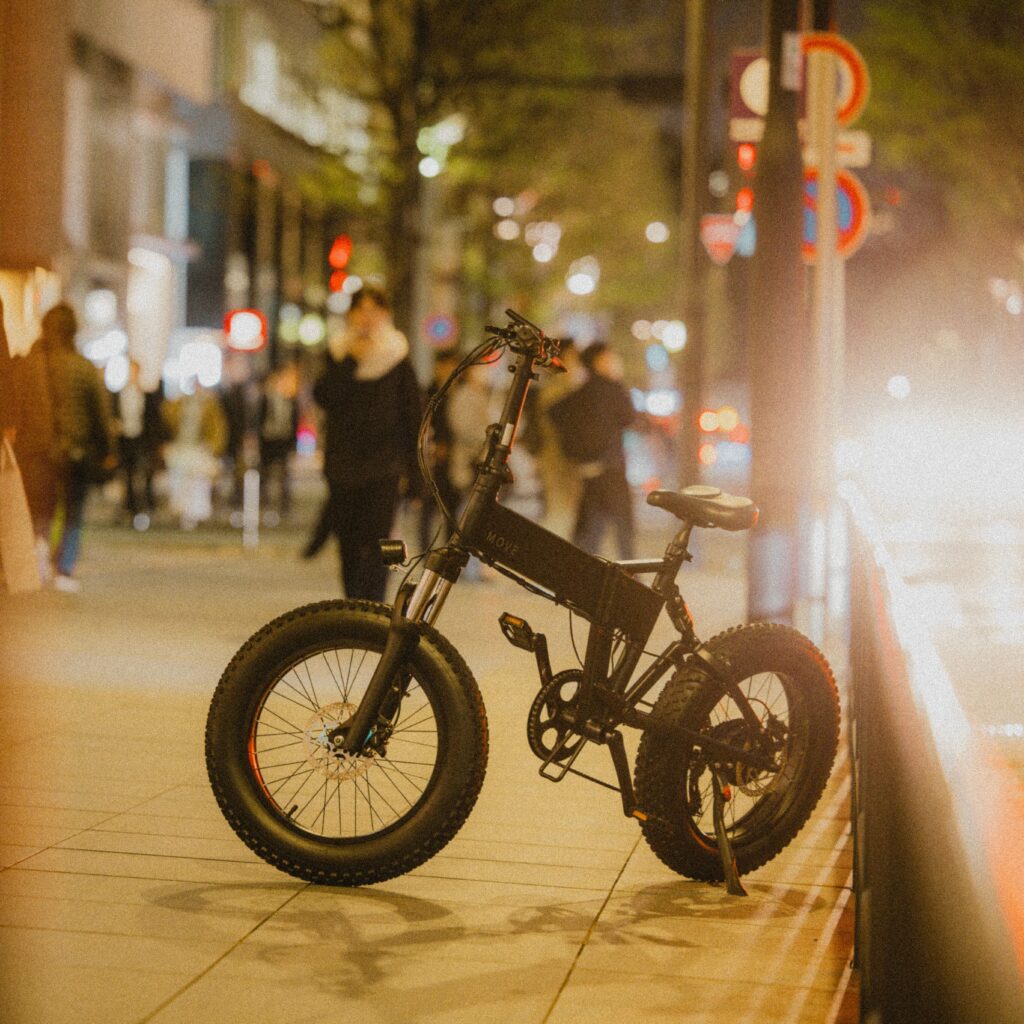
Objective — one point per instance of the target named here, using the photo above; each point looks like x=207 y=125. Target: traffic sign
x=748 y=93
x=854 y=84
x=853 y=148
x=853 y=213
x=719 y=233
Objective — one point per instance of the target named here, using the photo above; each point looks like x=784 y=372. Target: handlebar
x=526 y=336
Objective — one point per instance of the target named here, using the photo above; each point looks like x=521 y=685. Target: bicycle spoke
x=334 y=678
x=287 y=764
x=370 y=785
x=301 y=688
x=283 y=746
x=310 y=791
x=386 y=767
x=767 y=694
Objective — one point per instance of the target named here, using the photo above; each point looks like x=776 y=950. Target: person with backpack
x=589 y=423
x=65 y=438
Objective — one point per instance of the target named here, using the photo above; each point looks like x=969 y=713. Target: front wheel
x=785 y=684
x=274 y=757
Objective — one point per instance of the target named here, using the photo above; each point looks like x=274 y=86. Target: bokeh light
x=656 y=232
x=898 y=387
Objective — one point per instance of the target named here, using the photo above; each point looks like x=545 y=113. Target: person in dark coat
x=589 y=423
x=371 y=402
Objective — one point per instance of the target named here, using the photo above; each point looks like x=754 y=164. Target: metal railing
x=938 y=820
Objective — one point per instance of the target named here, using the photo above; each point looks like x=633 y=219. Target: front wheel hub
x=322 y=738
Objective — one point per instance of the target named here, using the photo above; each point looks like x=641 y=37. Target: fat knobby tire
x=663 y=762
x=455 y=784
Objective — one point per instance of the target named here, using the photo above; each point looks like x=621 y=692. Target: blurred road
x=968 y=589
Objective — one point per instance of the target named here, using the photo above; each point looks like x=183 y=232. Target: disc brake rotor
x=748 y=779
x=322 y=737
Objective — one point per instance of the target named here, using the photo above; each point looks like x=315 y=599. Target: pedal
x=517 y=632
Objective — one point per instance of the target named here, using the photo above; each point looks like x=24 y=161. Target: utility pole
x=694 y=275
x=827 y=321
x=780 y=359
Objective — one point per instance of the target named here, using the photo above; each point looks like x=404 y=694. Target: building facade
x=166 y=161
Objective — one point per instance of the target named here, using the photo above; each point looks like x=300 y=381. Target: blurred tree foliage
x=543 y=88
x=947 y=95
x=948 y=174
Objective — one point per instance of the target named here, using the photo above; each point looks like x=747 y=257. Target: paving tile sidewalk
x=124 y=896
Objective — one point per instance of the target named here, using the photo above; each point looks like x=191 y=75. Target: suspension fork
x=413 y=605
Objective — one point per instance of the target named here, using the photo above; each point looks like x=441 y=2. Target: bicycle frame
x=607 y=594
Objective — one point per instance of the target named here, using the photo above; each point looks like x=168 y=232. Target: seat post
x=675 y=554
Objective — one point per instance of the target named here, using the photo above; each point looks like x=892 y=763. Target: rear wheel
x=273 y=747
x=787 y=684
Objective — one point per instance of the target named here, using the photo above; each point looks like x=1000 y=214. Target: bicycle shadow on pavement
x=352 y=942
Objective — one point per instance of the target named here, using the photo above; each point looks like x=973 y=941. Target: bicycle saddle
x=707 y=506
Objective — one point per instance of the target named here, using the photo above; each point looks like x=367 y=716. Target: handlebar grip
x=518 y=318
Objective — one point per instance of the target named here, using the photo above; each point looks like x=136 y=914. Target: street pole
x=779 y=351
x=827 y=324
x=694 y=270
x=422 y=282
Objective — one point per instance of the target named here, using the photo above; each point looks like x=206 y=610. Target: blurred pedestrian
x=65 y=438
x=199 y=430
x=469 y=415
x=440 y=450
x=31 y=425
x=7 y=390
x=19 y=571
x=278 y=425
x=590 y=422
x=141 y=433
x=321 y=532
x=559 y=475
x=371 y=402
x=236 y=401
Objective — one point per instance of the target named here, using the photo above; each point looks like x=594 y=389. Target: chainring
x=546 y=729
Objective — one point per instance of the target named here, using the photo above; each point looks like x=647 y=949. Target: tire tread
x=657 y=774
x=457 y=813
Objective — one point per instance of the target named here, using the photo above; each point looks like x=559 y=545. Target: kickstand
x=733 y=886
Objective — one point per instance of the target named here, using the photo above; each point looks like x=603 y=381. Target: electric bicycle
x=347 y=740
